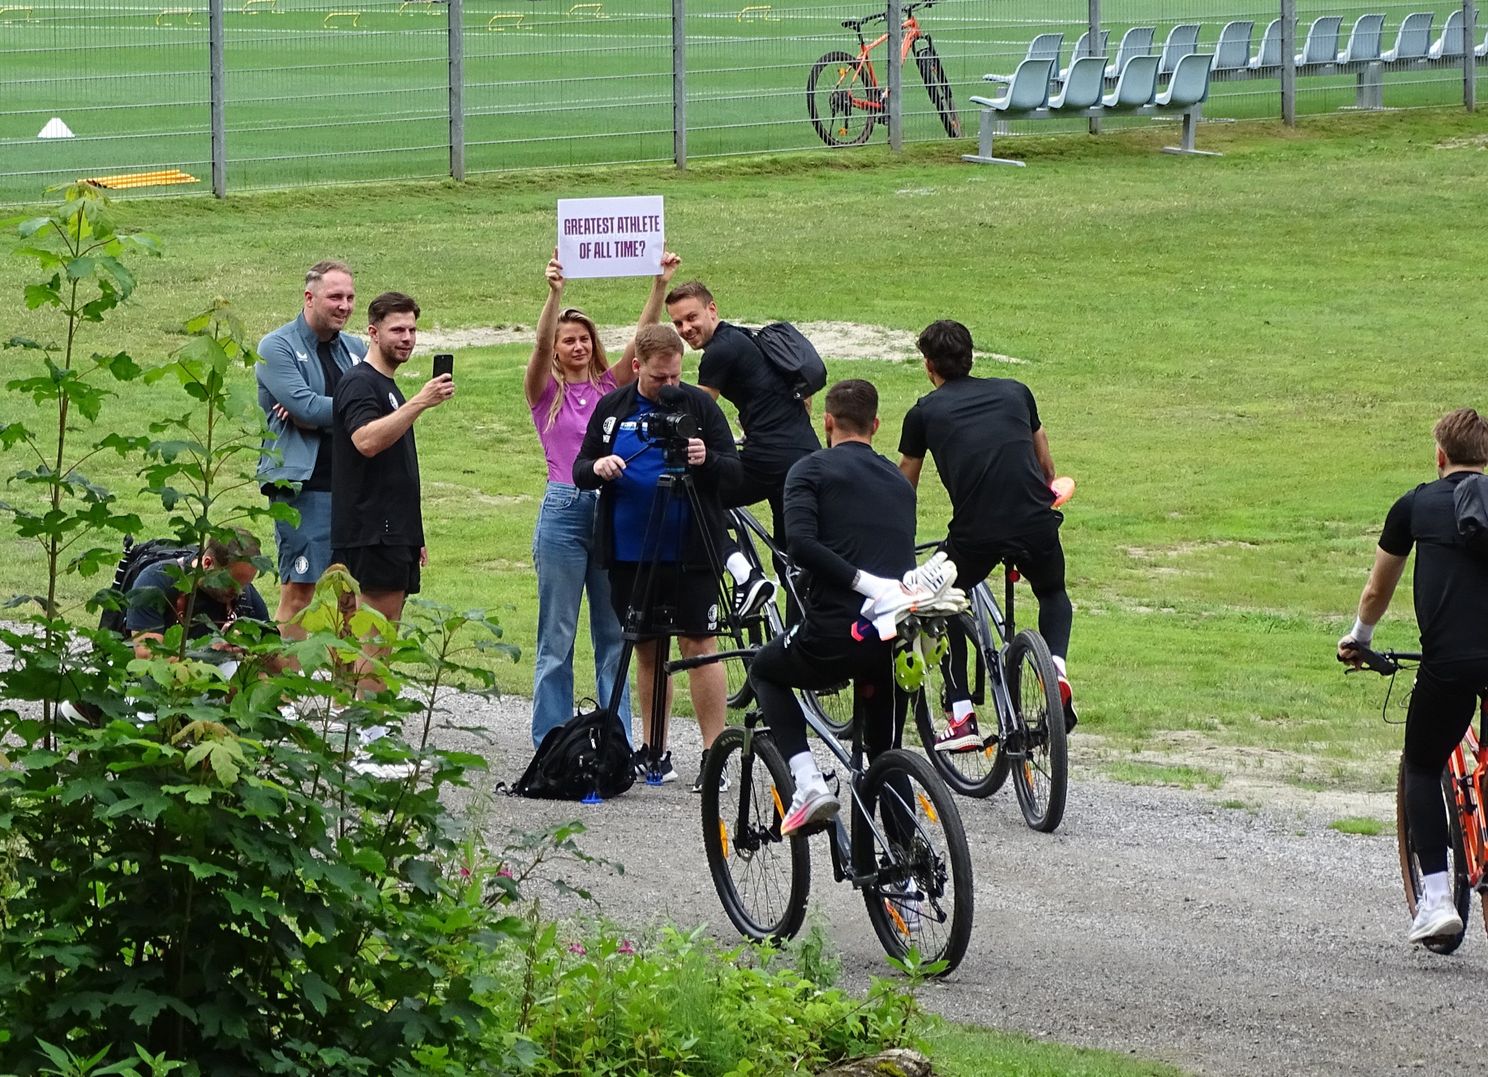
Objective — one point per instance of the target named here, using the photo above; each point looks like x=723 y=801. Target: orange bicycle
x=1464 y=787
x=843 y=95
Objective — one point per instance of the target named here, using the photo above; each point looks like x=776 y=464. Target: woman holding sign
x=565 y=378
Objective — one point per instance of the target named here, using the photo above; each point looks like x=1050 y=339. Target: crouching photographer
x=658 y=538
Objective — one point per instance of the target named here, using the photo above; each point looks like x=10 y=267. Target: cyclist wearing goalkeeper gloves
x=992 y=454
x=1451 y=599
x=850 y=521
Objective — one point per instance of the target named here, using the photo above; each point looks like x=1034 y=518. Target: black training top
x=1451 y=585
x=155 y=604
x=374 y=500
x=777 y=427
x=847 y=508
x=980 y=432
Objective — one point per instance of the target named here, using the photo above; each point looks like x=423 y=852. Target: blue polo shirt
x=634 y=493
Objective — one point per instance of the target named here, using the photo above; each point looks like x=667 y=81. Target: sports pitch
x=359 y=90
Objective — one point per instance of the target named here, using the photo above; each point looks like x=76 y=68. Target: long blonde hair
x=598 y=364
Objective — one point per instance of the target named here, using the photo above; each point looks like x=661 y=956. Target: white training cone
x=55 y=128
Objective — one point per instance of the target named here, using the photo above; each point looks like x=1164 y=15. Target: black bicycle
x=843 y=95
x=906 y=850
x=1014 y=671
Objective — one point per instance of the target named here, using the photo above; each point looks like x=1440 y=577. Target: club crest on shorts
x=713 y=616
x=302 y=564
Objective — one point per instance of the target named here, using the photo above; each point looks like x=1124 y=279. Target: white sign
x=610 y=237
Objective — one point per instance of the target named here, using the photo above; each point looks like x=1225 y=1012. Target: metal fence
x=242 y=94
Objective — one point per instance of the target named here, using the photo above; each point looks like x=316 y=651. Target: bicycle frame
x=1468 y=790
x=910 y=34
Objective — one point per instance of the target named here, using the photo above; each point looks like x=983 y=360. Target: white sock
x=961 y=710
x=805 y=771
x=1436 y=887
x=738 y=566
x=1059 y=665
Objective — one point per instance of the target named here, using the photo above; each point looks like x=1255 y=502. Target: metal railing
x=243 y=94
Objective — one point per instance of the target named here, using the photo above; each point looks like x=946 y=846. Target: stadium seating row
x=1082 y=92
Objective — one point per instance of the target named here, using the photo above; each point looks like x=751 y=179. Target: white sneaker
x=812 y=803
x=1434 y=919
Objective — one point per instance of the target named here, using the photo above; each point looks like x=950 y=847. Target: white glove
x=935 y=575
x=953 y=600
x=871 y=586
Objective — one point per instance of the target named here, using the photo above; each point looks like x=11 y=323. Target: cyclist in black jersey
x=1451 y=601
x=992 y=453
x=850 y=521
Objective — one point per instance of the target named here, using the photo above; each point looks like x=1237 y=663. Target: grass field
x=547 y=82
x=1240 y=360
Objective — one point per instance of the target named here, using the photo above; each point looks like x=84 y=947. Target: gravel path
x=1153 y=922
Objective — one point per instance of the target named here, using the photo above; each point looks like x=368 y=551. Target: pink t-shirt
x=562 y=440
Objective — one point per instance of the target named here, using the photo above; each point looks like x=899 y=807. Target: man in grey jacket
x=299 y=366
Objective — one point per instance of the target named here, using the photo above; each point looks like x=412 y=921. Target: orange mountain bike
x=1464 y=787
x=843 y=95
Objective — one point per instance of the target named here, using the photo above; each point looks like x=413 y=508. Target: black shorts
x=1037 y=555
x=382 y=568
x=684 y=601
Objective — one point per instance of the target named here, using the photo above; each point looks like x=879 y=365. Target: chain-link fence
x=219 y=94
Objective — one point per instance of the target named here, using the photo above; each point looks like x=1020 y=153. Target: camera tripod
x=648 y=619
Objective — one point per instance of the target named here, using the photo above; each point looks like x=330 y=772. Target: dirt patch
x=835 y=340
x=1476 y=142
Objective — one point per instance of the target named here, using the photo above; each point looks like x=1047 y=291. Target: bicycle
x=843 y=90
x=906 y=851
x=1017 y=670
x=1464 y=787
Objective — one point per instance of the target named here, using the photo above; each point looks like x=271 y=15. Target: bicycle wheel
x=835 y=706
x=971 y=773
x=1410 y=867
x=752 y=633
x=1037 y=752
x=761 y=878
x=837 y=91
x=922 y=896
x=938 y=87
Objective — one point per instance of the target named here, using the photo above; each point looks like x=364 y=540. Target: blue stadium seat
x=1083 y=87
x=1233 y=51
x=1135 y=42
x=1413 y=38
x=1364 y=40
x=1043 y=47
x=1453 y=40
x=1135 y=87
x=1321 y=46
x=1182 y=40
x=1269 y=54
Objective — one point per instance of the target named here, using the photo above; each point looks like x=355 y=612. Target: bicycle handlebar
x=1385 y=663
x=883 y=16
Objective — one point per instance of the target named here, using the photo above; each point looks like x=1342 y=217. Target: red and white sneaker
x=811 y=804
x=1067 y=697
x=960 y=736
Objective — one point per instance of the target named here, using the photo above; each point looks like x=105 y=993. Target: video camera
x=669 y=428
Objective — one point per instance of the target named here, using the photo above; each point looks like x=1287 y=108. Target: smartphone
x=444 y=363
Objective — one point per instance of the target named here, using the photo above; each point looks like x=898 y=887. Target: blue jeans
x=563 y=554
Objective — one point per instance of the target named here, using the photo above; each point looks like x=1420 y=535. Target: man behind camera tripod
x=638 y=433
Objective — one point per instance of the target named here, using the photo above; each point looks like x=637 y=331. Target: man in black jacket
x=622 y=458
x=1451 y=599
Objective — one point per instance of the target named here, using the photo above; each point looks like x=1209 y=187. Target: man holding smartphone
x=377 y=528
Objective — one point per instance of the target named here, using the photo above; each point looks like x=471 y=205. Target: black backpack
x=1471 y=501
x=586 y=754
x=793 y=355
x=136 y=559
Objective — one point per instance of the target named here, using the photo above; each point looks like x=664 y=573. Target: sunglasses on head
x=569 y=313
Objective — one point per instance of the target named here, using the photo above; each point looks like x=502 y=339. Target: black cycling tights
x=1441 y=709
x=1040 y=559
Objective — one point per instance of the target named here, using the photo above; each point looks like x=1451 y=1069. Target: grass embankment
x=1240 y=360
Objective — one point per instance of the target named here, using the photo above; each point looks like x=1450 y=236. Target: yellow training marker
x=506 y=20
x=329 y=22
x=163 y=178
x=172 y=12
x=593 y=10
x=757 y=13
x=15 y=14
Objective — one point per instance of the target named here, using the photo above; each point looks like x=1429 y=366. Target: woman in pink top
x=566 y=376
